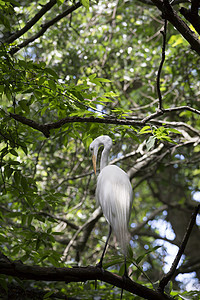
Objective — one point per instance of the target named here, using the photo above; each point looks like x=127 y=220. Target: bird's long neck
x=104 y=158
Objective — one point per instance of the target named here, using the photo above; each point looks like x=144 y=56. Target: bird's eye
x=91 y=149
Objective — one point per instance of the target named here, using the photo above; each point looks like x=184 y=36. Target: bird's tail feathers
x=123 y=236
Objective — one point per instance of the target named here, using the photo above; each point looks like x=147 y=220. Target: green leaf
x=104 y=80
x=13 y=152
x=110 y=94
x=38 y=244
x=24 y=106
x=17 y=177
x=30 y=218
x=60 y=2
x=14 y=162
x=91 y=77
x=150 y=142
x=4 y=151
x=24 y=183
x=15 y=250
x=43 y=110
x=145 y=129
x=8 y=171
x=140 y=258
x=3 y=283
x=47 y=295
x=5 y=21
x=23 y=219
x=57 y=233
x=173 y=130
x=51 y=72
x=133 y=136
x=24 y=147
x=86 y=3
x=52 y=85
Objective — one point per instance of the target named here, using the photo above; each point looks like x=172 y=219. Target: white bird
x=114 y=195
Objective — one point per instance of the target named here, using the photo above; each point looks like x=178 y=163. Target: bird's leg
x=125 y=276
x=99 y=265
x=125 y=268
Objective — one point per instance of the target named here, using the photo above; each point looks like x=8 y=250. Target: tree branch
x=45 y=128
x=192 y=14
x=164 y=32
x=156 y=236
x=45 y=27
x=144 y=161
x=70 y=224
x=177 y=124
x=88 y=226
x=77 y=274
x=169 y=110
x=167 y=277
x=32 y=22
x=151 y=217
x=170 y=14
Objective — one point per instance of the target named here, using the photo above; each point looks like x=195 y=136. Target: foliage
x=97 y=68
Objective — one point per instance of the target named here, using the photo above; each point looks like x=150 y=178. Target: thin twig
x=164 y=32
x=167 y=277
x=149 y=218
x=96 y=215
x=70 y=224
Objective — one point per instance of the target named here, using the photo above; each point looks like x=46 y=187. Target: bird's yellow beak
x=94 y=163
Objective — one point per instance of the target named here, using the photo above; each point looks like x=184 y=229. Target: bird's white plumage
x=113 y=192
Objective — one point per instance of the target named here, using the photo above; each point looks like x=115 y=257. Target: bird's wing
x=114 y=195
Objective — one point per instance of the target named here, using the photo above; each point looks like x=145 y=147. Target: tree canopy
x=72 y=71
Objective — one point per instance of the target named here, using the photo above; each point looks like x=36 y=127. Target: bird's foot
x=100 y=266
x=124 y=278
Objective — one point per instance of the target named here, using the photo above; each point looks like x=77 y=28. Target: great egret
x=113 y=194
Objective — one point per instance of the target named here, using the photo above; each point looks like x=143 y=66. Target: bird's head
x=103 y=140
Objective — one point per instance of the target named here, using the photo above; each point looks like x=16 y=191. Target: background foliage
x=100 y=61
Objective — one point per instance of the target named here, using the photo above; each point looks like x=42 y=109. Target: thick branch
x=192 y=14
x=45 y=128
x=167 y=277
x=144 y=161
x=170 y=14
x=96 y=215
x=80 y=274
x=45 y=27
x=32 y=22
